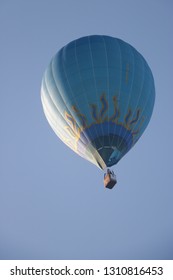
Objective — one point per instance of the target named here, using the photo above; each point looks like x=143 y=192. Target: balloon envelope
x=98 y=96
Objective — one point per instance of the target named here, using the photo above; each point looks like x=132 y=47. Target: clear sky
x=52 y=203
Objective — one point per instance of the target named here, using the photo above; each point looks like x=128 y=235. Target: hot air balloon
x=98 y=95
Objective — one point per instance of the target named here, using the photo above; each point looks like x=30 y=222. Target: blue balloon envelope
x=98 y=96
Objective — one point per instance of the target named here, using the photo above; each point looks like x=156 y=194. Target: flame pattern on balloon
x=99 y=118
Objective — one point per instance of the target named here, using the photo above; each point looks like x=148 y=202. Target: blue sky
x=52 y=203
